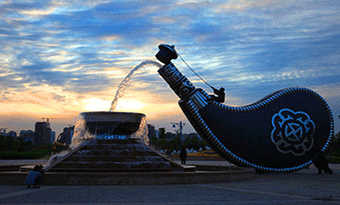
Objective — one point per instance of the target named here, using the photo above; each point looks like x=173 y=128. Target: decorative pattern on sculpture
x=178 y=83
x=171 y=74
x=293 y=132
x=199 y=100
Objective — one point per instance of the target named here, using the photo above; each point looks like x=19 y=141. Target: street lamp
x=180 y=124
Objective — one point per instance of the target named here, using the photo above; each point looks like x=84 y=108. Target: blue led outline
x=194 y=111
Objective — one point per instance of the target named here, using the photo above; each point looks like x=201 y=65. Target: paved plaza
x=303 y=187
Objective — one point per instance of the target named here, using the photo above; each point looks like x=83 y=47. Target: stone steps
x=114 y=165
x=115 y=159
x=104 y=153
x=118 y=141
x=132 y=147
x=127 y=155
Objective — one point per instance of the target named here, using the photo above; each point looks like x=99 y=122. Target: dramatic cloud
x=65 y=57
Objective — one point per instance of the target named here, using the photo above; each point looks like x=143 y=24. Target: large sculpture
x=282 y=132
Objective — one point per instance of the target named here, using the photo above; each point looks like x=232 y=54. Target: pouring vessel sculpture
x=282 y=132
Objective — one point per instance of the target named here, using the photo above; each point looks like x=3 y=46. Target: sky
x=61 y=58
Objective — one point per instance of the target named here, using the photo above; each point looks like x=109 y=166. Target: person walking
x=183 y=155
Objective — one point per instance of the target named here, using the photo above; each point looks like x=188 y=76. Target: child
x=34 y=178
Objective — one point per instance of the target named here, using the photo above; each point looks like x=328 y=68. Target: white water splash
x=142 y=132
x=123 y=85
x=80 y=133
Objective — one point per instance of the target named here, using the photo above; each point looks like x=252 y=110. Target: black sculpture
x=282 y=132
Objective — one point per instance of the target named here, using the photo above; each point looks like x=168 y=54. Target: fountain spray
x=123 y=85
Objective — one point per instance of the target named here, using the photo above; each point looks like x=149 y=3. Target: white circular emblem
x=293 y=132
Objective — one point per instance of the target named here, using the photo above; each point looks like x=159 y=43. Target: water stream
x=80 y=133
x=123 y=85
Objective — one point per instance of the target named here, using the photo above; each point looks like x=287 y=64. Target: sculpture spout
x=184 y=89
x=178 y=82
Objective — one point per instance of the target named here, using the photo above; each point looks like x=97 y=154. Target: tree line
x=189 y=142
x=334 y=148
x=18 y=148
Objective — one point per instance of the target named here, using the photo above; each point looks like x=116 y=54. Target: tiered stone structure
x=127 y=155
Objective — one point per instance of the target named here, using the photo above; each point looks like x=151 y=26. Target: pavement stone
x=301 y=187
x=15 y=162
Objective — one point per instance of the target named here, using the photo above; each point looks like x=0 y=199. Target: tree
x=174 y=143
x=191 y=142
x=334 y=148
x=162 y=132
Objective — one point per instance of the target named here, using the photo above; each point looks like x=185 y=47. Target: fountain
x=111 y=142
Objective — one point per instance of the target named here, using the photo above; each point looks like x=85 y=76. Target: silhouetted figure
x=168 y=153
x=34 y=177
x=183 y=155
x=220 y=95
x=321 y=163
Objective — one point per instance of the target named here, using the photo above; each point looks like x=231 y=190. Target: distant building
x=52 y=139
x=27 y=135
x=68 y=134
x=42 y=133
x=157 y=134
x=152 y=131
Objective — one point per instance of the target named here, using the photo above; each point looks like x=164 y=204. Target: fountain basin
x=112 y=123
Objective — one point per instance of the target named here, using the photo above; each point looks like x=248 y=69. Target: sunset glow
x=61 y=58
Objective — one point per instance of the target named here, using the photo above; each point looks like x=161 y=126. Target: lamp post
x=180 y=124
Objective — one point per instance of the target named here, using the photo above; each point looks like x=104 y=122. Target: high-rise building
x=52 y=139
x=68 y=132
x=151 y=132
x=42 y=133
x=66 y=135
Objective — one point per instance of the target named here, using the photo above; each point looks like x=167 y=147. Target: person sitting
x=34 y=177
x=220 y=95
